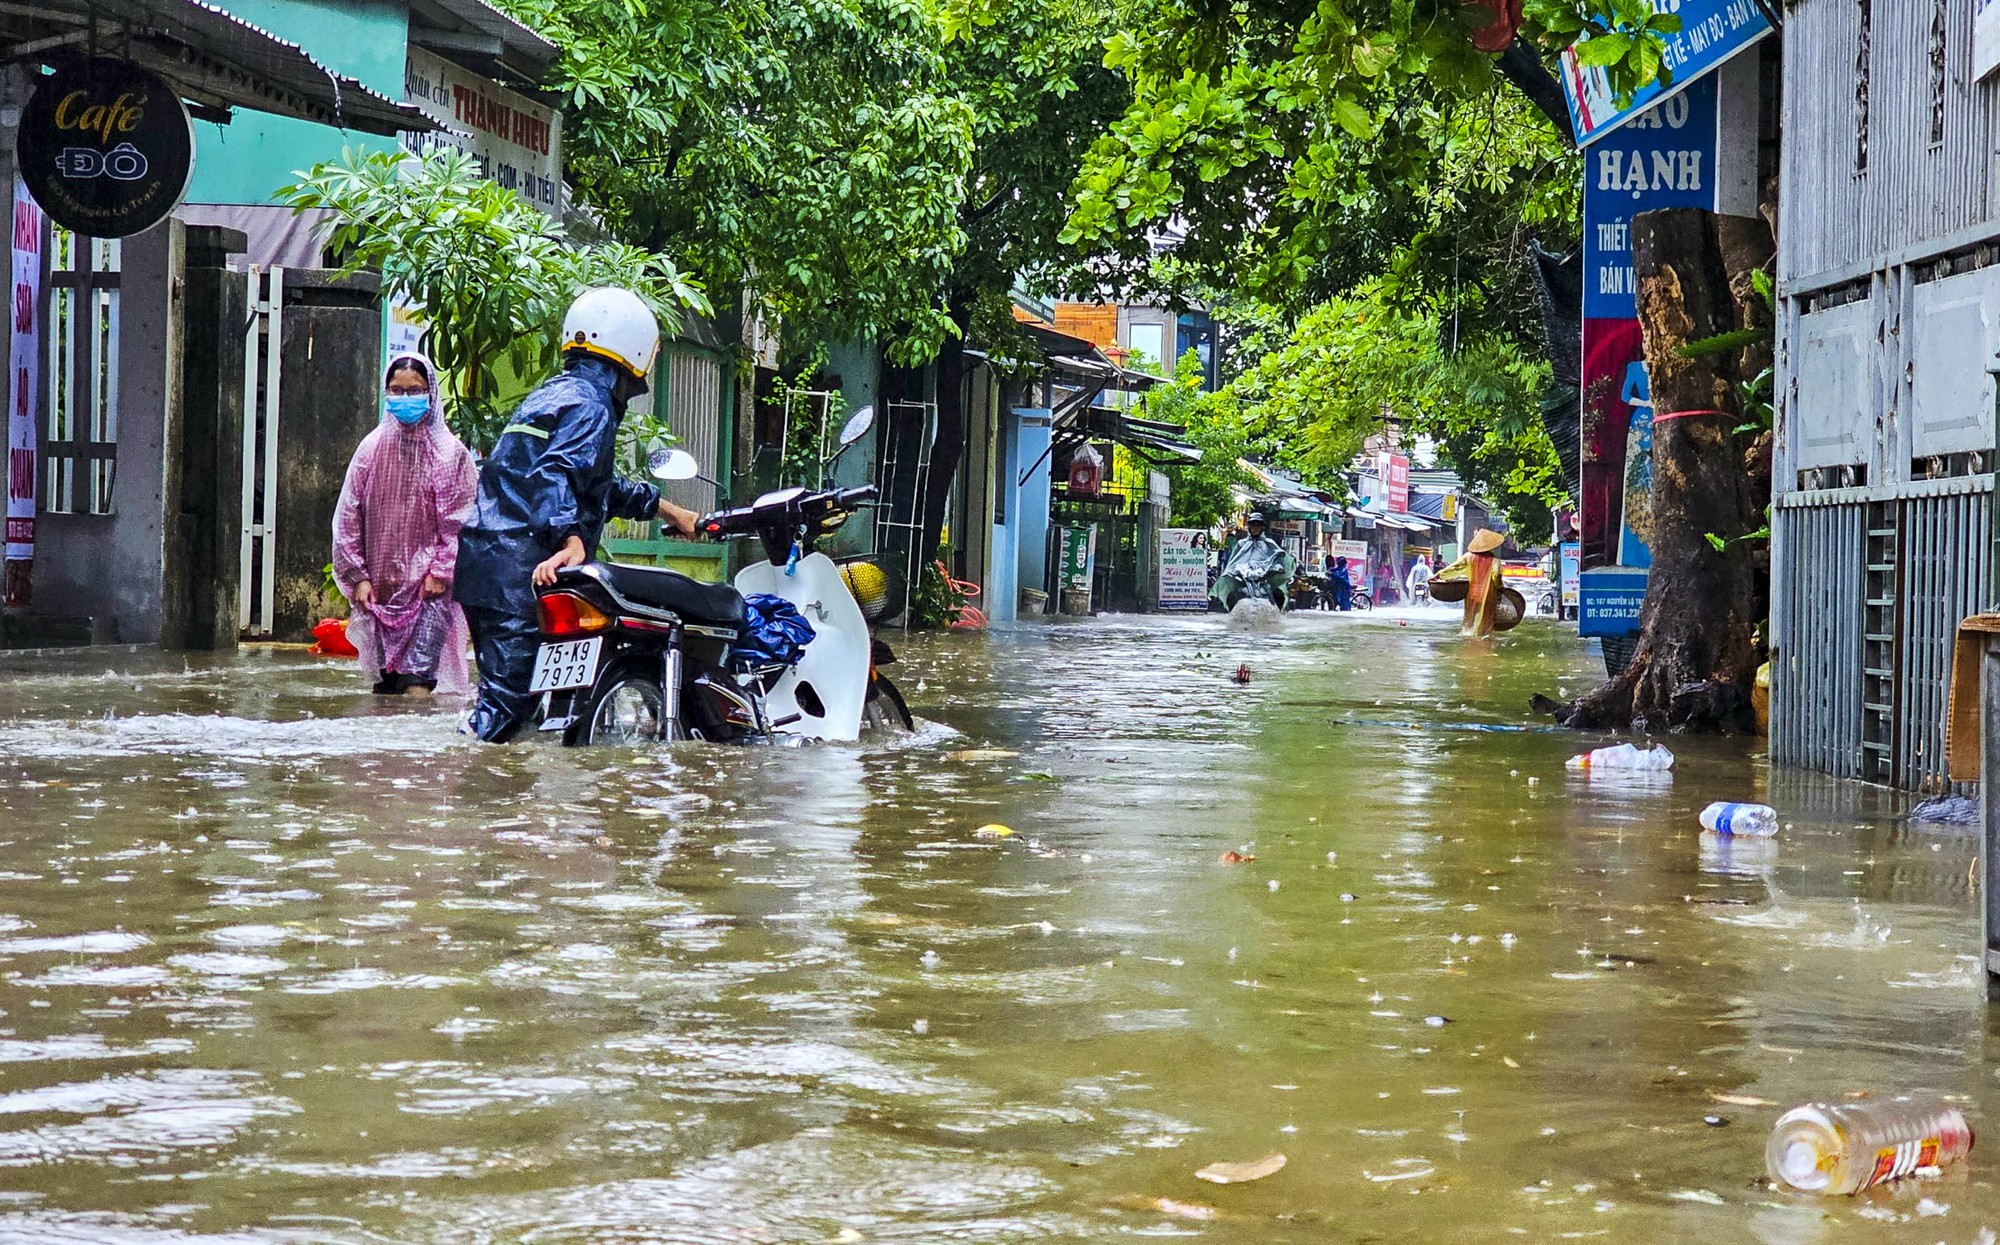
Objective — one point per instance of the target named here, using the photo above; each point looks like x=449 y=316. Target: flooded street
x=281 y=963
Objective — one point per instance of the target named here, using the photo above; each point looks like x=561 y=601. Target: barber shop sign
x=106 y=147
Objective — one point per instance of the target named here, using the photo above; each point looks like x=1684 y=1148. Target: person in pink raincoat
x=395 y=539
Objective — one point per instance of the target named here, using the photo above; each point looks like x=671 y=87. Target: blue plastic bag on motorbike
x=774 y=632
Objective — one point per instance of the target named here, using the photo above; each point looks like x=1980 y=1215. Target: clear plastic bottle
x=1743 y=821
x=1624 y=756
x=1845 y=1147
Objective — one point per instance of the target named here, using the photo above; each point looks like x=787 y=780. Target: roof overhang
x=481 y=37
x=215 y=60
x=1151 y=439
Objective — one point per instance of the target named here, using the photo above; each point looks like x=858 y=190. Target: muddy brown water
x=279 y=963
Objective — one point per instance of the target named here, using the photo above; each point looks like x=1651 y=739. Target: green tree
x=1353 y=364
x=809 y=152
x=492 y=275
x=1203 y=493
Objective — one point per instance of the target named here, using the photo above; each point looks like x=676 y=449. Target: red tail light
x=565 y=613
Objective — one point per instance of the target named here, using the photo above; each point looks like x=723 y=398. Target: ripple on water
x=812 y=1186
x=135 y=1120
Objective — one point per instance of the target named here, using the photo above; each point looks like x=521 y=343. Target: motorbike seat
x=670 y=590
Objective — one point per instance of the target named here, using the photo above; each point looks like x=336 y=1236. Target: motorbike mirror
x=672 y=465
x=857 y=426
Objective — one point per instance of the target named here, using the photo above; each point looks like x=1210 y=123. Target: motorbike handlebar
x=745 y=520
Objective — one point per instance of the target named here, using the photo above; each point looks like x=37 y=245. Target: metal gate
x=263 y=334
x=694 y=414
x=1865 y=602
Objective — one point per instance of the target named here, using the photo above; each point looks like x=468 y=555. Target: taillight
x=565 y=613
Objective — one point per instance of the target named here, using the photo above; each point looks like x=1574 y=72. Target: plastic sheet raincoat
x=409 y=489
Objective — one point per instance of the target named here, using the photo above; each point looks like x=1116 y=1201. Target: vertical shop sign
x=1183 y=569
x=1663 y=159
x=23 y=391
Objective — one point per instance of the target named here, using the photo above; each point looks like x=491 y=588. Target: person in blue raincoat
x=545 y=493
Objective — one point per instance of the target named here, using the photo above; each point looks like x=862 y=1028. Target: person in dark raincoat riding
x=545 y=493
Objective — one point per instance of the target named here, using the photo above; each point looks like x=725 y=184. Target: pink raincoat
x=409 y=489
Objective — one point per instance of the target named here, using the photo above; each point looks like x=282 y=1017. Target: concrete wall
x=247 y=160
x=109 y=567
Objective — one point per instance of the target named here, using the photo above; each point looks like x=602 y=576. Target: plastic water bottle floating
x=1826 y=1147
x=1623 y=756
x=1744 y=821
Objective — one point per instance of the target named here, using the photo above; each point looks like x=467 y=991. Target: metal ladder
x=1879 y=682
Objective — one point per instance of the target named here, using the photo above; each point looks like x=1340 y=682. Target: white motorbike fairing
x=835 y=665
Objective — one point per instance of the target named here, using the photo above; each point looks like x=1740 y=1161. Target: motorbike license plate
x=560 y=667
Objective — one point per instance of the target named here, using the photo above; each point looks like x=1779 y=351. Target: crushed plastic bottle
x=1742 y=821
x=1845 y=1147
x=1624 y=756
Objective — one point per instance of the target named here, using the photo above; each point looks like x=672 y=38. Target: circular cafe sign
x=105 y=147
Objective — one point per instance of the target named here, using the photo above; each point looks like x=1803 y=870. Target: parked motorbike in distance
x=640 y=653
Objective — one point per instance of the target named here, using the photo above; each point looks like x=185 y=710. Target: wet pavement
x=278 y=963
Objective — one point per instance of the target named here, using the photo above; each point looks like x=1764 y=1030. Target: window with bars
x=80 y=436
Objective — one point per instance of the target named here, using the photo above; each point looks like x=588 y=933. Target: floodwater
x=278 y=963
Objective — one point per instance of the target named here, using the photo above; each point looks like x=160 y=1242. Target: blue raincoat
x=550 y=476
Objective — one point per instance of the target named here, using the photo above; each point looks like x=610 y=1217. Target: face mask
x=409 y=408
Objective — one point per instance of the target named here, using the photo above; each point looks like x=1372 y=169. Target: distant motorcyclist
x=1256 y=565
x=1340 y=582
x=545 y=493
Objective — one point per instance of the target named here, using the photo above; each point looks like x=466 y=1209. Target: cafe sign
x=106 y=147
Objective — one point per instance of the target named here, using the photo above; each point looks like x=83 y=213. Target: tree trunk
x=1697 y=654
x=949 y=449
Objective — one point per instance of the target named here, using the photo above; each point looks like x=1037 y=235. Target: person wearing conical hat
x=1480 y=568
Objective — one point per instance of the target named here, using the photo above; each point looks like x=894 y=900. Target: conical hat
x=1485 y=541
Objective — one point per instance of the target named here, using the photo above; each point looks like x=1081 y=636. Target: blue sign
x=1609 y=600
x=1711 y=32
x=1665 y=159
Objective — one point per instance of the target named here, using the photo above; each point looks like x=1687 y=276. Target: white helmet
x=613 y=324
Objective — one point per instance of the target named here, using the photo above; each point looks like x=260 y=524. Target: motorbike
x=1305 y=592
x=640 y=653
x=1256 y=570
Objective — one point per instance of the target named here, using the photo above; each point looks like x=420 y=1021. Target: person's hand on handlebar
x=679 y=518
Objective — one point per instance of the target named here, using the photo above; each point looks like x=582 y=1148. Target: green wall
x=247 y=160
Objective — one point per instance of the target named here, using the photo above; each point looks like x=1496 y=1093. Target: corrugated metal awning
x=214 y=59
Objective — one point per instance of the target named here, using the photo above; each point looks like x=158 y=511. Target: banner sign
x=1183 y=569
x=1609 y=600
x=1395 y=472
x=1356 y=553
x=1569 y=561
x=1662 y=160
x=24 y=387
x=106 y=147
x=1711 y=32
x=517 y=141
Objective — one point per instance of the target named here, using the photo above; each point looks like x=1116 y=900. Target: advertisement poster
x=1395 y=472
x=1356 y=553
x=1183 y=569
x=1664 y=159
x=1711 y=32
x=1570 y=563
x=24 y=389
x=1079 y=547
